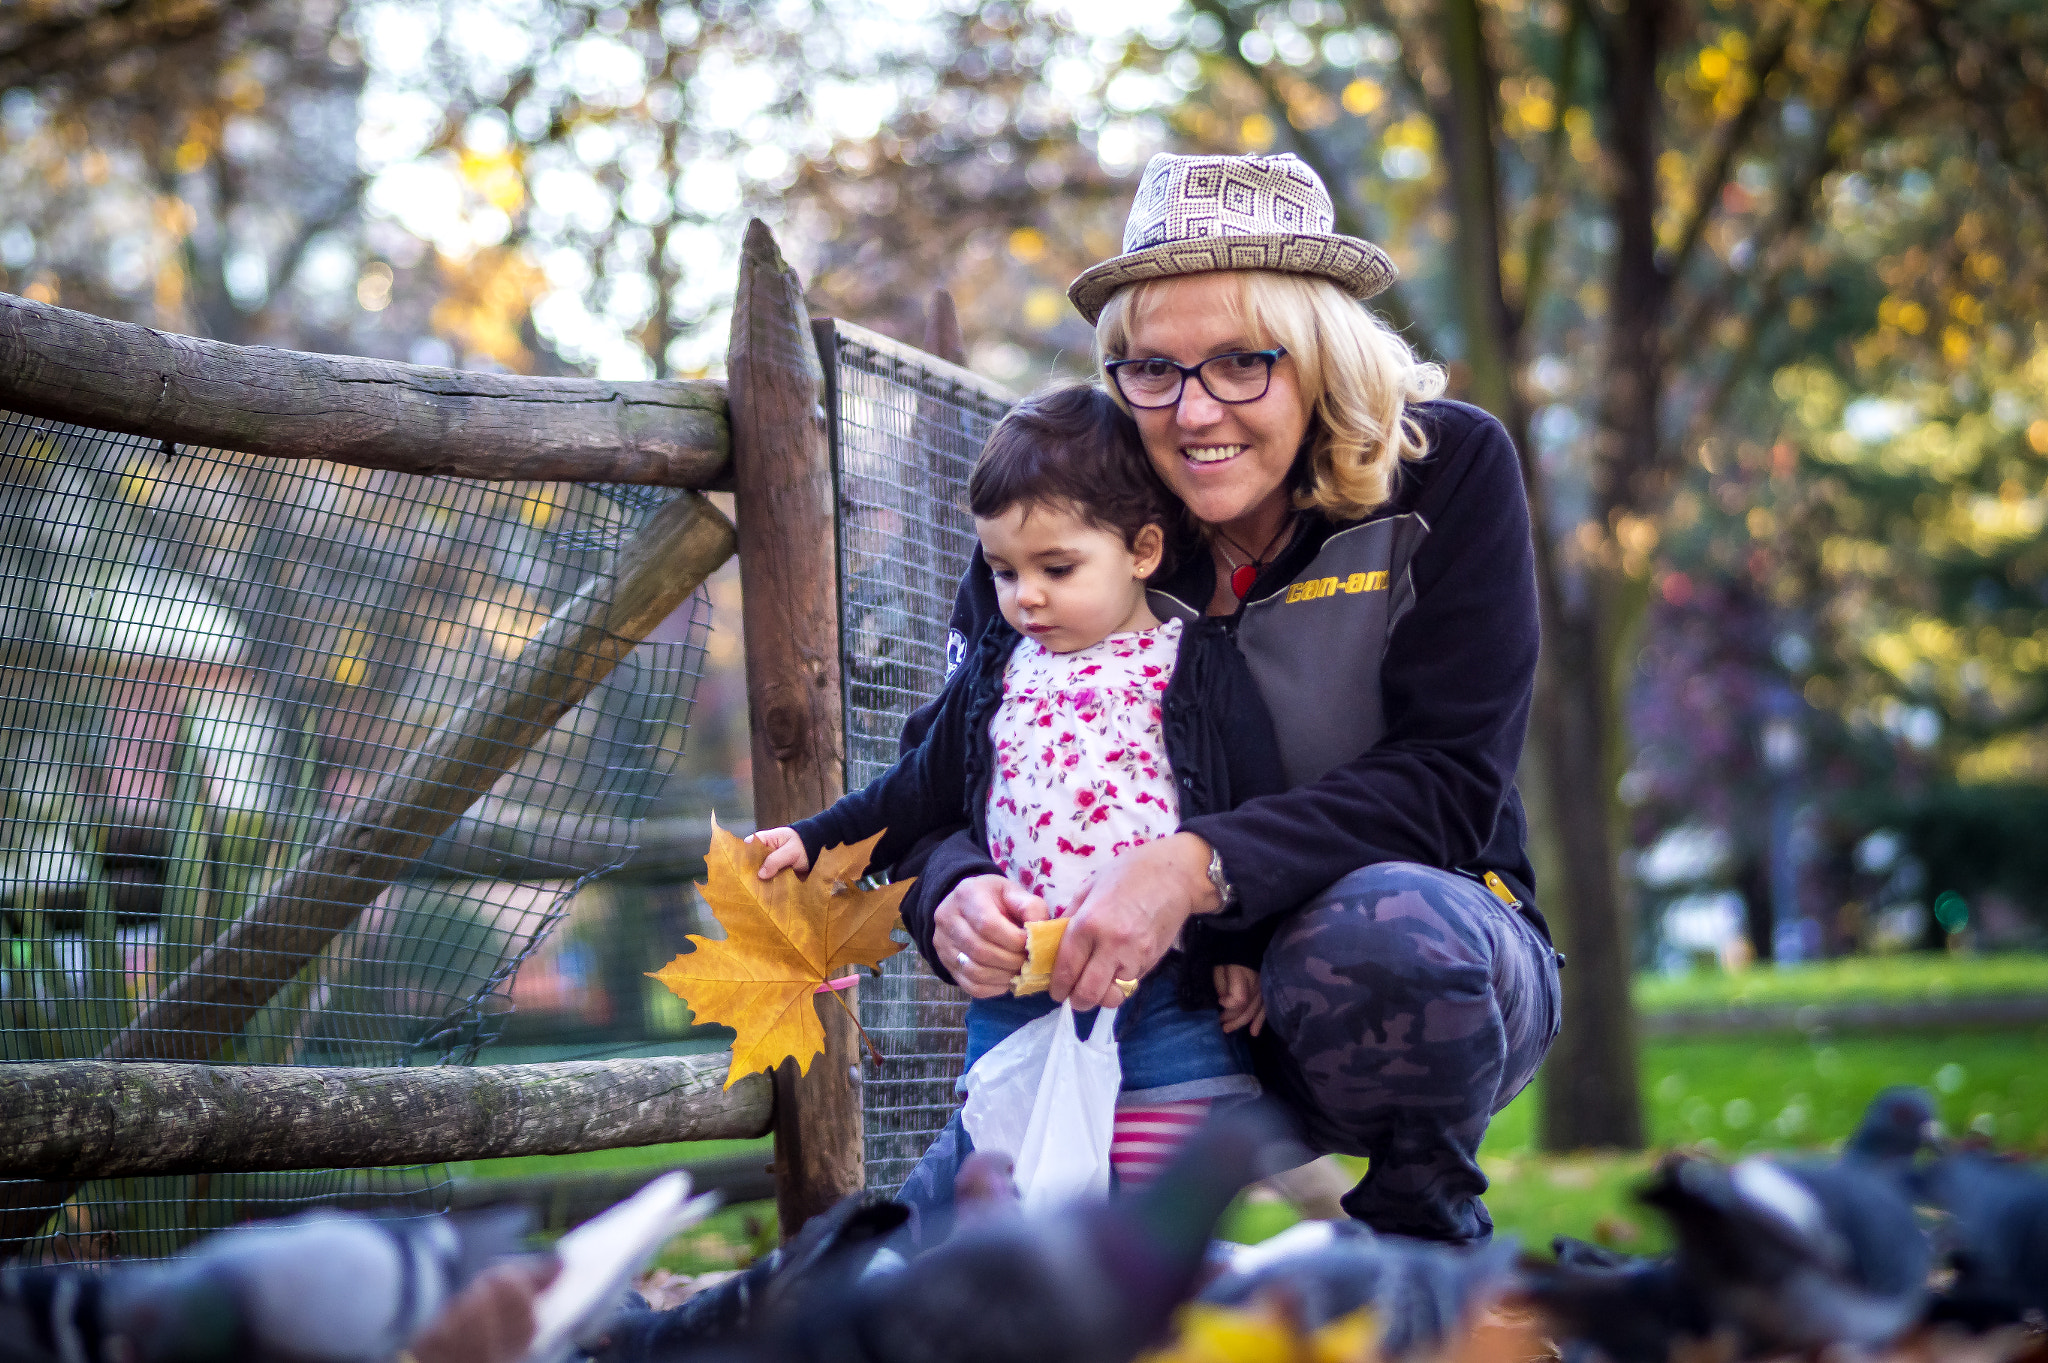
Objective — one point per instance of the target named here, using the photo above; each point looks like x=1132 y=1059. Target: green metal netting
x=205 y=658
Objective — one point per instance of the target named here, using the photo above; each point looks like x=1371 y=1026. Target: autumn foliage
x=783 y=939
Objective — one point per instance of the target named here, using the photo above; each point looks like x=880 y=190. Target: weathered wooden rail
x=110 y=1119
x=151 y=1102
x=375 y=414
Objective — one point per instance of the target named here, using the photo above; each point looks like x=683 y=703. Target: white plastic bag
x=1047 y=1099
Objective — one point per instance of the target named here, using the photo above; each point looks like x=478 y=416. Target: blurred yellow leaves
x=347 y=665
x=495 y=177
x=1903 y=314
x=1362 y=96
x=1720 y=72
x=539 y=509
x=485 y=304
x=137 y=484
x=1256 y=132
x=2014 y=757
x=1027 y=244
x=1527 y=105
x=1043 y=308
x=1578 y=126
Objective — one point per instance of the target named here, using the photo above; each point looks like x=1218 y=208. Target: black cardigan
x=1219 y=742
x=1455 y=684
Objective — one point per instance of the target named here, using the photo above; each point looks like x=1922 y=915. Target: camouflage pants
x=1405 y=1006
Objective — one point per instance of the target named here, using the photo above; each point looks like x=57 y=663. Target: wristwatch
x=1226 y=893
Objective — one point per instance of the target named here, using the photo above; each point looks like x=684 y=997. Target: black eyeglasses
x=1238 y=376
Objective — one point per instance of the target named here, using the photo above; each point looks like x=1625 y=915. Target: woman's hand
x=1237 y=989
x=1127 y=917
x=978 y=933
x=785 y=850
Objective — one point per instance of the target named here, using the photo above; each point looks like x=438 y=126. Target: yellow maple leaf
x=783 y=938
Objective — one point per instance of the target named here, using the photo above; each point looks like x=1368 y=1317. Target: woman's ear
x=1148 y=549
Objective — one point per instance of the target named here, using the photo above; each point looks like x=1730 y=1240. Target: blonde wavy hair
x=1355 y=372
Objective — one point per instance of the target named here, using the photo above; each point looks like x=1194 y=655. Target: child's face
x=1065 y=581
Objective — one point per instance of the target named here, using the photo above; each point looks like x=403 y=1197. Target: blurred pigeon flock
x=1901 y=1248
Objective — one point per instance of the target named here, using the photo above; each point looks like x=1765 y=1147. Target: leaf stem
x=866 y=1040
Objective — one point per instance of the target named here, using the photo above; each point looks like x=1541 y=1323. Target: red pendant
x=1241 y=579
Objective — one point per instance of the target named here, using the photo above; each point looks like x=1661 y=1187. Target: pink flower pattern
x=1081 y=771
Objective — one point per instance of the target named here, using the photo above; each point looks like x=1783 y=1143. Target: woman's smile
x=1228 y=461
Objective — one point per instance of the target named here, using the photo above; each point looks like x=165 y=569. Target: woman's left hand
x=1127 y=918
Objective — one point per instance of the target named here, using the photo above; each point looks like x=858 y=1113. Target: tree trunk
x=1591 y=1092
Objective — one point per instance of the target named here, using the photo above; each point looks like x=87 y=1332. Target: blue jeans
x=1168 y=1053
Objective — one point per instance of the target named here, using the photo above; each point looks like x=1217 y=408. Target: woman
x=1371 y=547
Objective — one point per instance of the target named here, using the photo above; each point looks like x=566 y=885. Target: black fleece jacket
x=1452 y=673
x=1219 y=743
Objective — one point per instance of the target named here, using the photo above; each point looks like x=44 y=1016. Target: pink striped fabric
x=1145 y=1138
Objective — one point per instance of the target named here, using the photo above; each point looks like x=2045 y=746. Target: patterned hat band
x=1194 y=214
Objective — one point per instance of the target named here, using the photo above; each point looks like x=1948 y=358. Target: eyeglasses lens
x=1149 y=382
x=1237 y=377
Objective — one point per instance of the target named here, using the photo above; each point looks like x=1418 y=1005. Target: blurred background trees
x=1754 y=286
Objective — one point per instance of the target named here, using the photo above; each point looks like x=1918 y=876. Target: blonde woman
x=1369 y=543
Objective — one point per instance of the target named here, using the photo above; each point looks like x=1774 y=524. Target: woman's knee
x=1393 y=928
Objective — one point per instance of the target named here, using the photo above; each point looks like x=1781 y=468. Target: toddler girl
x=1078 y=725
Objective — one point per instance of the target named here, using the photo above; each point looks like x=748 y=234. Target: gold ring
x=1128 y=986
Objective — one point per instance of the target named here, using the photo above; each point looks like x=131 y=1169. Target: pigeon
x=1899 y=1123
x=1618 y=1307
x=50 y=1314
x=1796 y=1256
x=837 y=1244
x=1997 y=1236
x=986 y=1183
x=321 y=1287
x=1419 y=1293
x=1092 y=1282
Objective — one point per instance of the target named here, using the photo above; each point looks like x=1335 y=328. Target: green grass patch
x=1794 y=1091
x=1735 y=1095
x=621 y=1160
x=731 y=1237
x=1917 y=977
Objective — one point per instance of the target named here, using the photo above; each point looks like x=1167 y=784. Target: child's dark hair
x=1072 y=445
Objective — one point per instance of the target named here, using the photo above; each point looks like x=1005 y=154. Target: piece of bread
x=1041 y=949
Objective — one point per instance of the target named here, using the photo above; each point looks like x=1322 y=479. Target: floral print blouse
x=1080 y=759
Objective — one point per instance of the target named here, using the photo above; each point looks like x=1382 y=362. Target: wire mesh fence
x=205 y=659
x=906 y=432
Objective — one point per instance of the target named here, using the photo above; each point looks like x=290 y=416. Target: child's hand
x=785 y=850
x=1237 y=989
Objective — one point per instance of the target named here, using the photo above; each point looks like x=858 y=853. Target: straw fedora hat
x=1199 y=213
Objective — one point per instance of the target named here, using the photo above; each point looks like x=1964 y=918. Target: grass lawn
x=1919 y=977
x=1731 y=1095
x=603 y=1161
x=1725 y=1095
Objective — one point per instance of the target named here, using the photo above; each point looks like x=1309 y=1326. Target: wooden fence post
x=789 y=584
